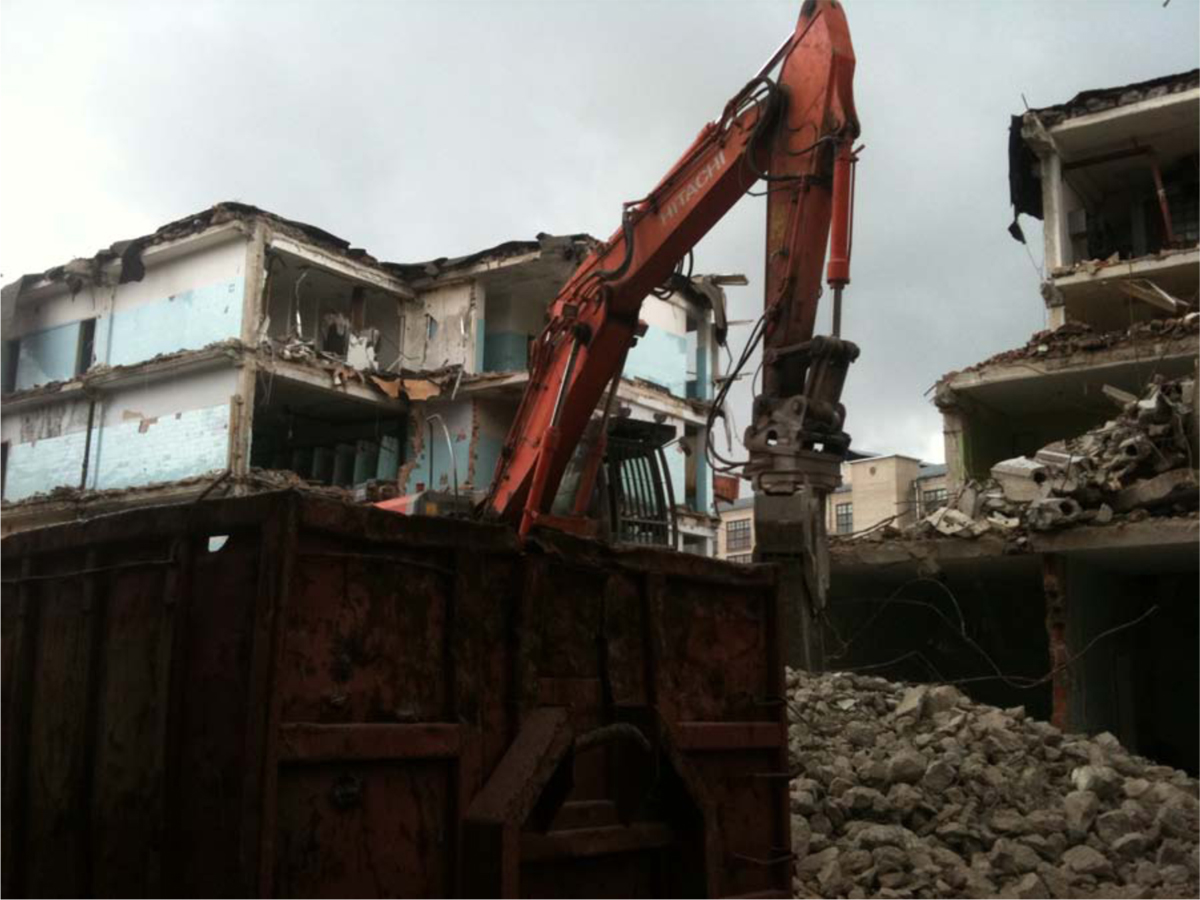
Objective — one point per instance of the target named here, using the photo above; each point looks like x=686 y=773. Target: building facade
x=875 y=491
x=884 y=490
x=241 y=347
x=1062 y=574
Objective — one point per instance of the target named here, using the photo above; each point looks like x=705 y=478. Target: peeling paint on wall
x=183 y=446
x=44 y=465
x=185 y=321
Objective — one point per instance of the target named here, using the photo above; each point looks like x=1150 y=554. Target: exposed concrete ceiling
x=1168 y=124
x=1016 y=388
x=281 y=392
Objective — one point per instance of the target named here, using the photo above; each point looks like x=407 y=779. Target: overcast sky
x=419 y=130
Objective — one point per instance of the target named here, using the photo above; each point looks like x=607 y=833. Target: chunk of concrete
x=1052 y=512
x=1179 y=485
x=952 y=523
x=1020 y=478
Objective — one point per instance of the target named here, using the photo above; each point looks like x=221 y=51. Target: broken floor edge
x=231 y=351
x=125 y=256
x=1153 y=531
x=69 y=504
x=1155 y=338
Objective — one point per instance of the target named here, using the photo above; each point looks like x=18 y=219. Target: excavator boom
x=790 y=133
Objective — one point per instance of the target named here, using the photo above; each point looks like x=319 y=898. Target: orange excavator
x=791 y=128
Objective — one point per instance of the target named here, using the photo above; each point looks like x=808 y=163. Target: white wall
x=450 y=332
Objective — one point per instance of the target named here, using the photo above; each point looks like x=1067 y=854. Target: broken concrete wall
x=1052 y=388
x=478 y=428
x=428 y=457
x=334 y=314
x=161 y=431
x=450 y=330
x=45 y=448
x=186 y=302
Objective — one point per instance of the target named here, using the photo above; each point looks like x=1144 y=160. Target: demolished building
x=1062 y=574
x=236 y=348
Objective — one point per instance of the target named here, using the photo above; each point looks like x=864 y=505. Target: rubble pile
x=916 y=791
x=1143 y=459
x=1078 y=337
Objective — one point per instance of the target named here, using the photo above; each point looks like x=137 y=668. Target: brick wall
x=169 y=448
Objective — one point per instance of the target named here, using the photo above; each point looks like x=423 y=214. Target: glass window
x=737 y=535
x=932 y=501
x=742 y=558
x=844 y=517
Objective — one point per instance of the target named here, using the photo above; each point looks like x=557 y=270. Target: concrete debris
x=1176 y=486
x=916 y=791
x=1021 y=479
x=1142 y=460
x=955 y=523
x=1078 y=338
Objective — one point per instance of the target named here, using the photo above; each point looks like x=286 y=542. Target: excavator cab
x=633 y=500
x=641 y=498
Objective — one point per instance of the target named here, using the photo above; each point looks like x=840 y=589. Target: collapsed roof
x=1025 y=191
x=128 y=252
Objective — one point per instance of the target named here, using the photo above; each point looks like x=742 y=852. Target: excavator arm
x=794 y=134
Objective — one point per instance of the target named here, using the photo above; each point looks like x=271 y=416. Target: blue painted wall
x=661 y=358
x=173 y=447
x=505 y=351
x=46 y=356
x=458 y=419
x=186 y=321
x=487 y=454
x=44 y=465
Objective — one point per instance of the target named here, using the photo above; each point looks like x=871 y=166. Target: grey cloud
x=429 y=129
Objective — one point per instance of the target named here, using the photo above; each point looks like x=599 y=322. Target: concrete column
x=254 y=305
x=1057 y=240
x=954 y=440
x=474 y=361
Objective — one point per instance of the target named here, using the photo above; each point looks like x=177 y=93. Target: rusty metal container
x=287 y=695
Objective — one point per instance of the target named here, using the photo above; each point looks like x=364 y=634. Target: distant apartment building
x=735 y=541
x=875 y=490
x=892 y=490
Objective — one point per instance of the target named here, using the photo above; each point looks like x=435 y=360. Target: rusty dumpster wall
x=339 y=701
